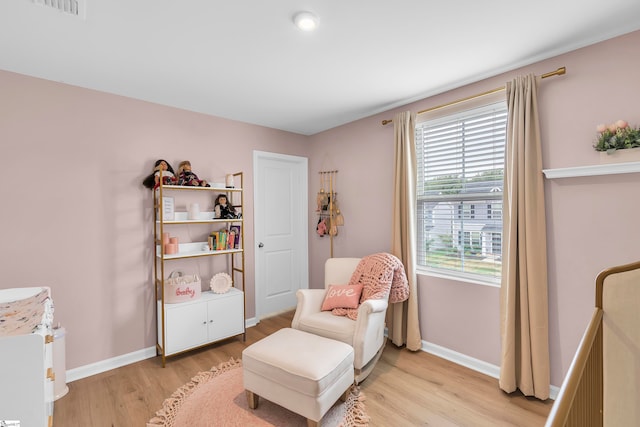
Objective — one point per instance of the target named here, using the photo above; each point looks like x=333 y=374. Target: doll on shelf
x=223 y=209
x=160 y=168
x=187 y=177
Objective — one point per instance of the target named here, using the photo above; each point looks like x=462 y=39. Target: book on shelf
x=231 y=240
x=225 y=239
x=218 y=240
x=222 y=240
x=236 y=229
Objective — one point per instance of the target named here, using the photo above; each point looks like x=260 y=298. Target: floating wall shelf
x=593 y=170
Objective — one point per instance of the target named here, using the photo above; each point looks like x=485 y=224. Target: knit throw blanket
x=381 y=275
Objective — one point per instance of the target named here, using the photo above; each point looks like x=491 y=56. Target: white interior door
x=281 y=233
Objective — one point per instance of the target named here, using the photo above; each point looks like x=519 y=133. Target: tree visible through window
x=459 y=191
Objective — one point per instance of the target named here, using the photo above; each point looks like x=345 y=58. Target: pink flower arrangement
x=616 y=136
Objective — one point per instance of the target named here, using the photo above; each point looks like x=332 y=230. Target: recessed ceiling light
x=306 y=21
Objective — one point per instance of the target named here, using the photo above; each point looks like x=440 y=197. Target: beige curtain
x=402 y=318
x=523 y=294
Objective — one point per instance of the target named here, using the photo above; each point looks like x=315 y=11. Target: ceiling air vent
x=71 y=7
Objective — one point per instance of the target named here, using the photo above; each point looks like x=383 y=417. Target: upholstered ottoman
x=302 y=372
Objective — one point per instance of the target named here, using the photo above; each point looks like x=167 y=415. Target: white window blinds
x=460 y=159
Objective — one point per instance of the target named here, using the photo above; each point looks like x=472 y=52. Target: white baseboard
x=147 y=353
x=125 y=359
x=472 y=363
x=553 y=392
x=249 y=323
x=107 y=365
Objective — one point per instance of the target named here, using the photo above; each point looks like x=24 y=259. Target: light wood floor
x=405 y=389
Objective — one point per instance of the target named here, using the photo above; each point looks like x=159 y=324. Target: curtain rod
x=560 y=71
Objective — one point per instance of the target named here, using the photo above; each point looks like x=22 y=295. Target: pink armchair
x=365 y=335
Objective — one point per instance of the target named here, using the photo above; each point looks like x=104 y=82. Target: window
x=460 y=155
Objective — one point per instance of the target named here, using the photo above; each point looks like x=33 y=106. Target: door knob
x=260 y=245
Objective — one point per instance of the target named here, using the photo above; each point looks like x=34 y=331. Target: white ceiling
x=245 y=60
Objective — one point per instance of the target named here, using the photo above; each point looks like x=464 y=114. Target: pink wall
x=592 y=222
x=76 y=218
x=362 y=153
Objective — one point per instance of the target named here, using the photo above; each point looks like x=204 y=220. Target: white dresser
x=26 y=356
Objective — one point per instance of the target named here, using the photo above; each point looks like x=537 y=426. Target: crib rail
x=591 y=389
x=579 y=402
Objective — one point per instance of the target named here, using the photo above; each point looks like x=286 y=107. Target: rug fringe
x=172 y=404
x=356 y=415
x=355 y=411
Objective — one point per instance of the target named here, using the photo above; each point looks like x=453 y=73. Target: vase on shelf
x=620 y=156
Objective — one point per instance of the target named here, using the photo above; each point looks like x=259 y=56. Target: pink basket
x=179 y=288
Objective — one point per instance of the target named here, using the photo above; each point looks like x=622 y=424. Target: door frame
x=302 y=163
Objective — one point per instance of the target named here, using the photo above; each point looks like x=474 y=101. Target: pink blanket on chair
x=381 y=275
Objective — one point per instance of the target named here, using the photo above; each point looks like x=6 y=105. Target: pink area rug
x=217 y=398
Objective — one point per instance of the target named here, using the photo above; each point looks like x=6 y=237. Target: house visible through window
x=460 y=155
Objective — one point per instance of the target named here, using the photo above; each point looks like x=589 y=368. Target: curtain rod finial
x=559 y=72
x=386 y=122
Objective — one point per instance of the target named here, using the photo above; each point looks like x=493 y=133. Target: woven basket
x=180 y=288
